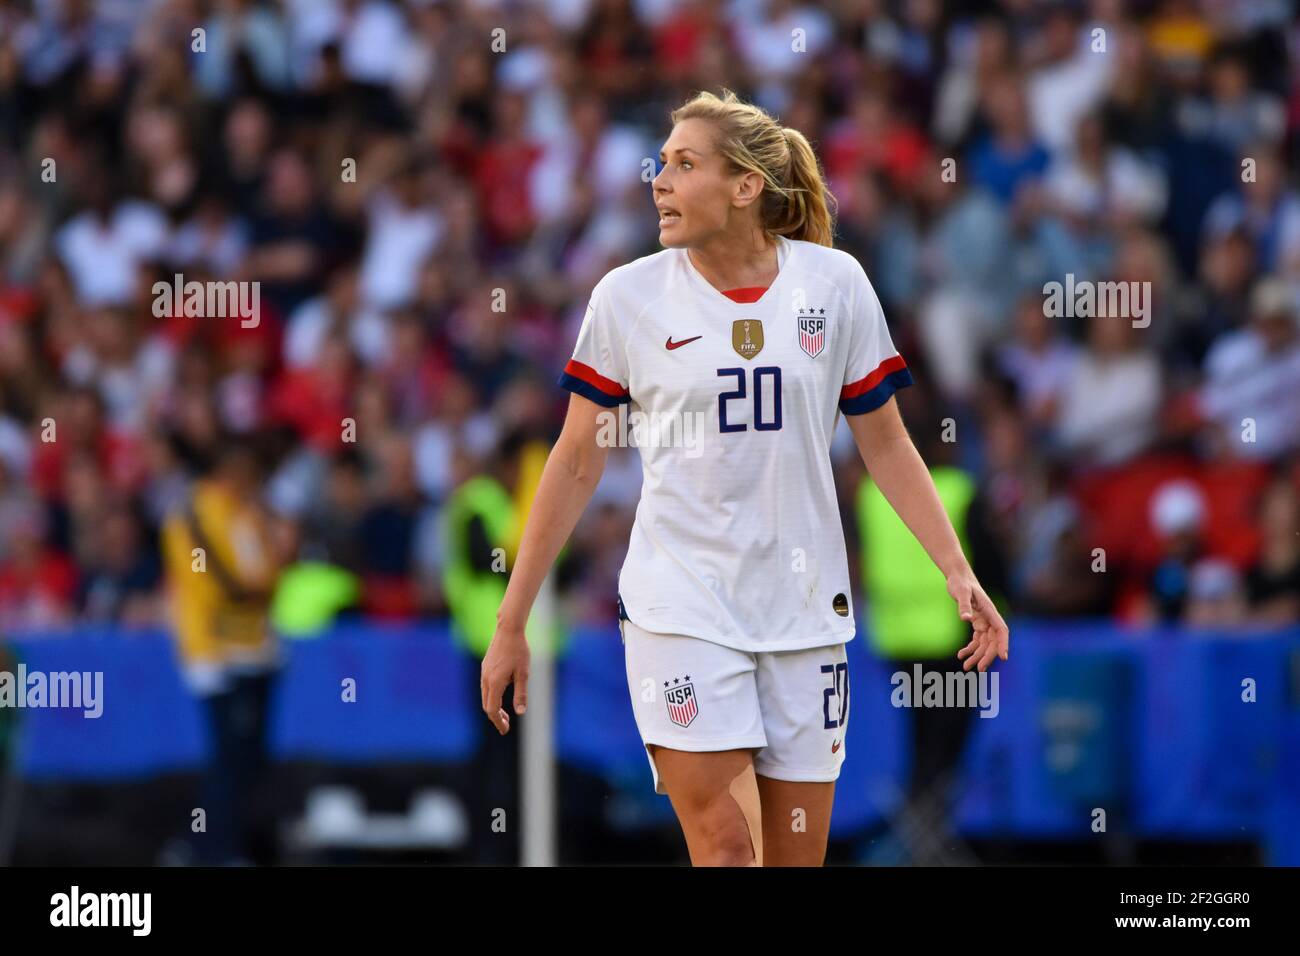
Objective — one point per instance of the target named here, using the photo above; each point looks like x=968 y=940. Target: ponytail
x=806 y=209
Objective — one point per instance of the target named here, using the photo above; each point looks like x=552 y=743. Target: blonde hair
x=796 y=202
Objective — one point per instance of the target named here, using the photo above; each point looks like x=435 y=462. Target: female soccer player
x=741 y=344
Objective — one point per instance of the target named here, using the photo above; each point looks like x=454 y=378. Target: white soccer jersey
x=737 y=538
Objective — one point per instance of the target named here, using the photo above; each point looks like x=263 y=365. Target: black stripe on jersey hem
x=870 y=401
x=587 y=390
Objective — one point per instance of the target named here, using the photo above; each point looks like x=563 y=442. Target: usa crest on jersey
x=682 y=707
x=812 y=331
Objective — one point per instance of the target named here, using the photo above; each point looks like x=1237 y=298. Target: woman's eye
x=684 y=164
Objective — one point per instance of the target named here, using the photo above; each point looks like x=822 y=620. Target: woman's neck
x=728 y=264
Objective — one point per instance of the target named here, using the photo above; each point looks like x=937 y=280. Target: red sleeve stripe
x=593 y=378
x=864 y=385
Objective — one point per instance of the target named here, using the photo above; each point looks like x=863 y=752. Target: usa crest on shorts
x=812 y=331
x=680 y=698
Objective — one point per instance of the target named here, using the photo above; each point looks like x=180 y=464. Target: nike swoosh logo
x=835 y=747
x=670 y=344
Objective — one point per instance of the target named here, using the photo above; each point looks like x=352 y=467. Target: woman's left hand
x=990 y=637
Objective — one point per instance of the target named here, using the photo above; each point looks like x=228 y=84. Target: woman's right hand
x=573 y=469
x=505 y=662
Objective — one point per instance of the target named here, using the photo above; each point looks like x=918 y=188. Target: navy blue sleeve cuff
x=871 y=400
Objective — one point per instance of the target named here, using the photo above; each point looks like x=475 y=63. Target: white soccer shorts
x=692 y=694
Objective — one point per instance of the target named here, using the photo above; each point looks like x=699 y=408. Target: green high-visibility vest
x=309 y=595
x=909 y=611
x=474 y=594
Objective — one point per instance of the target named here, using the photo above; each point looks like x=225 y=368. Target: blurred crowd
x=427 y=191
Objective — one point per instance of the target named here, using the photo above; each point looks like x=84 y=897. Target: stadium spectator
x=1070 y=76
x=1009 y=157
x=1178 y=514
x=1253 y=376
x=1039 y=360
x=1273 y=581
x=1111 y=395
x=222 y=560
x=37 y=582
x=1215 y=596
x=1266 y=205
x=122 y=573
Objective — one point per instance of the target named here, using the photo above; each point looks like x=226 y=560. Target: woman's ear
x=748 y=187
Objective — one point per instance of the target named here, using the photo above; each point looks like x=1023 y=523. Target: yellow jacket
x=220 y=588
